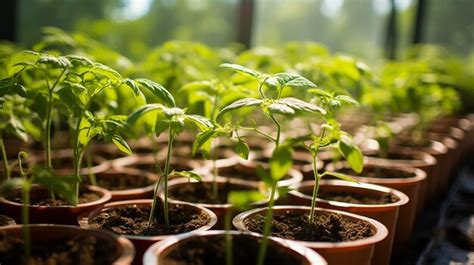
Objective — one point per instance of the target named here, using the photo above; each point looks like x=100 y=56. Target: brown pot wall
x=387 y=214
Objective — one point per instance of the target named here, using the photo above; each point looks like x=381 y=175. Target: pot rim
x=402 y=197
x=420 y=175
x=84 y=218
x=151 y=254
x=106 y=196
x=128 y=250
x=127 y=161
x=421 y=159
x=380 y=233
x=132 y=171
x=253 y=185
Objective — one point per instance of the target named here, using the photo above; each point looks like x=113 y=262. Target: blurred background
x=369 y=29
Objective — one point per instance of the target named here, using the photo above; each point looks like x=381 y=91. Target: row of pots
x=415 y=187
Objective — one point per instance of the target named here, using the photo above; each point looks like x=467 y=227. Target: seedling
x=272 y=106
x=173 y=120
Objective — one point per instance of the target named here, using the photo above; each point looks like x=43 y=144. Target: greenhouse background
x=237 y=132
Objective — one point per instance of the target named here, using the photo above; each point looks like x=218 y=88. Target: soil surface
x=80 y=250
x=85 y=196
x=349 y=197
x=122 y=181
x=324 y=228
x=5 y=220
x=378 y=173
x=133 y=220
x=211 y=251
x=201 y=192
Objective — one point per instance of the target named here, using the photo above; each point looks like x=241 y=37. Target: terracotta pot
x=410 y=186
x=440 y=170
x=386 y=213
x=400 y=157
x=249 y=167
x=451 y=159
x=463 y=123
x=45 y=234
x=350 y=252
x=157 y=253
x=457 y=134
x=52 y=214
x=147 y=163
x=219 y=209
x=117 y=175
x=62 y=161
x=141 y=243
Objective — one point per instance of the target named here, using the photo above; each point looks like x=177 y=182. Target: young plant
x=273 y=105
x=173 y=120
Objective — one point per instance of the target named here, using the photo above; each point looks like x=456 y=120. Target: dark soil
x=324 y=228
x=355 y=198
x=240 y=172
x=85 y=196
x=133 y=220
x=5 y=220
x=201 y=192
x=378 y=172
x=152 y=167
x=122 y=181
x=80 y=250
x=211 y=251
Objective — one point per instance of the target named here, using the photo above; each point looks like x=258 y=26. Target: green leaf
x=241 y=103
x=242 y=149
x=340 y=176
x=121 y=144
x=187 y=174
x=347 y=100
x=161 y=126
x=351 y=153
x=18 y=128
x=53 y=61
x=19 y=89
x=158 y=90
x=300 y=105
x=142 y=111
x=201 y=140
x=201 y=122
x=131 y=84
x=242 y=200
x=293 y=80
x=78 y=60
x=20 y=60
x=319 y=92
x=278 y=108
x=177 y=125
x=10 y=184
x=106 y=71
x=241 y=69
x=281 y=161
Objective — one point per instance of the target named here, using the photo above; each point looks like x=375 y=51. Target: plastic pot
x=158 y=252
x=350 y=252
x=141 y=243
x=386 y=213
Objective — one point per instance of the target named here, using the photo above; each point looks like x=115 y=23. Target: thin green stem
x=277 y=124
x=269 y=137
x=315 y=188
x=215 y=191
x=25 y=218
x=229 y=257
x=6 y=166
x=262 y=252
x=165 y=184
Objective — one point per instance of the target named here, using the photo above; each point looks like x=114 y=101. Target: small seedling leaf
x=187 y=174
x=241 y=103
x=281 y=161
x=280 y=108
x=293 y=80
x=341 y=176
x=158 y=90
x=242 y=200
x=121 y=144
x=300 y=105
x=241 y=69
x=242 y=150
x=137 y=114
x=351 y=153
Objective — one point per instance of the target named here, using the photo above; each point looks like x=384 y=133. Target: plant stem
x=262 y=252
x=315 y=188
x=215 y=192
x=229 y=259
x=277 y=124
x=165 y=183
x=6 y=166
x=25 y=218
x=269 y=137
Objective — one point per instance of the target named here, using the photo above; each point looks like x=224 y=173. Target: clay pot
x=219 y=209
x=6 y=220
x=46 y=234
x=157 y=253
x=147 y=163
x=463 y=123
x=450 y=160
x=141 y=243
x=440 y=170
x=409 y=182
x=124 y=175
x=52 y=214
x=350 y=252
x=457 y=134
x=386 y=213
x=400 y=157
